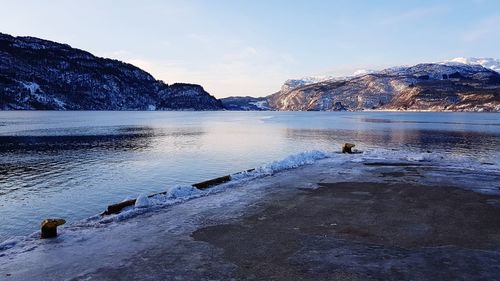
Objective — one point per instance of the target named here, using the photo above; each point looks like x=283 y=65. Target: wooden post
x=346 y=148
x=49 y=227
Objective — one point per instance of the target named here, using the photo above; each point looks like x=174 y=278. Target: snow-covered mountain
x=490 y=63
x=40 y=74
x=291 y=84
x=450 y=86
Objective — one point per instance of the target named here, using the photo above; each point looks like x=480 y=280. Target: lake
x=73 y=164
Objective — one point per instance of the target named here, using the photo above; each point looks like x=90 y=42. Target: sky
x=238 y=48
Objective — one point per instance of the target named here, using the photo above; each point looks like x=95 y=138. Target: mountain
x=245 y=103
x=40 y=74
x=291 y=84
x=447 y=86
x=490 y=63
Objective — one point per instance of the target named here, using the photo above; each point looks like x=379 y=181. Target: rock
x=49 y=227
x=347 y=147
x=339 y=107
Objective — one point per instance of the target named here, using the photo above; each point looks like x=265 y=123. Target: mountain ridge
x=43 y=74
x=490 y=63
x=448 y=86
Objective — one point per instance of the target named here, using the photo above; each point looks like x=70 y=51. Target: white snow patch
x=361 y=72
x=142 y=201
x=292 y=161
x=490 y=63
x=182 y=191
x=260 y=104
x=291 y=84
x=31 y=86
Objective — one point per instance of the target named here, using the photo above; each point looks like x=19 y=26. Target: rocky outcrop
x=182 y=96
x=40 y=74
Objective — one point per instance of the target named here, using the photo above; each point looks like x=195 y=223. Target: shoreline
x=228 y=110
x=384 y=215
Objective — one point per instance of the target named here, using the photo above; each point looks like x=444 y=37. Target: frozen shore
x=316 y=216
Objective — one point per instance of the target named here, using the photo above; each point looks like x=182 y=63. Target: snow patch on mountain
x=360 y=72
x=261 y=104
x=291 y=84
x=31 y=86
x=490 y=63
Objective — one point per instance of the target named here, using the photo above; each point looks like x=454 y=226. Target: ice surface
x=244 y=186
x=292 y=161
x=182 y=191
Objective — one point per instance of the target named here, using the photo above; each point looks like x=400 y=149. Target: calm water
x=73 y=164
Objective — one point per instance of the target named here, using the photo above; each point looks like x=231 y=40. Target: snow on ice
x=346 y=166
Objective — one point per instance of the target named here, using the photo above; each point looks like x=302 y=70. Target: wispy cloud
x=486 y=28
x=414 y=15
x=238 y=48
x=246 y=70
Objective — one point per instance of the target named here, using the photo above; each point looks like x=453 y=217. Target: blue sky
x=238 y=47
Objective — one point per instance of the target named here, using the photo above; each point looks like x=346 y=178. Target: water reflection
x=382 y=120
x=123 y=138
x=32 y=162
x=483 y=145
x=40 y=163
x=74 y=175
x=72 y=165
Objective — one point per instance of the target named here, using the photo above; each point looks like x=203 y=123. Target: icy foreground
x=175 y=235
